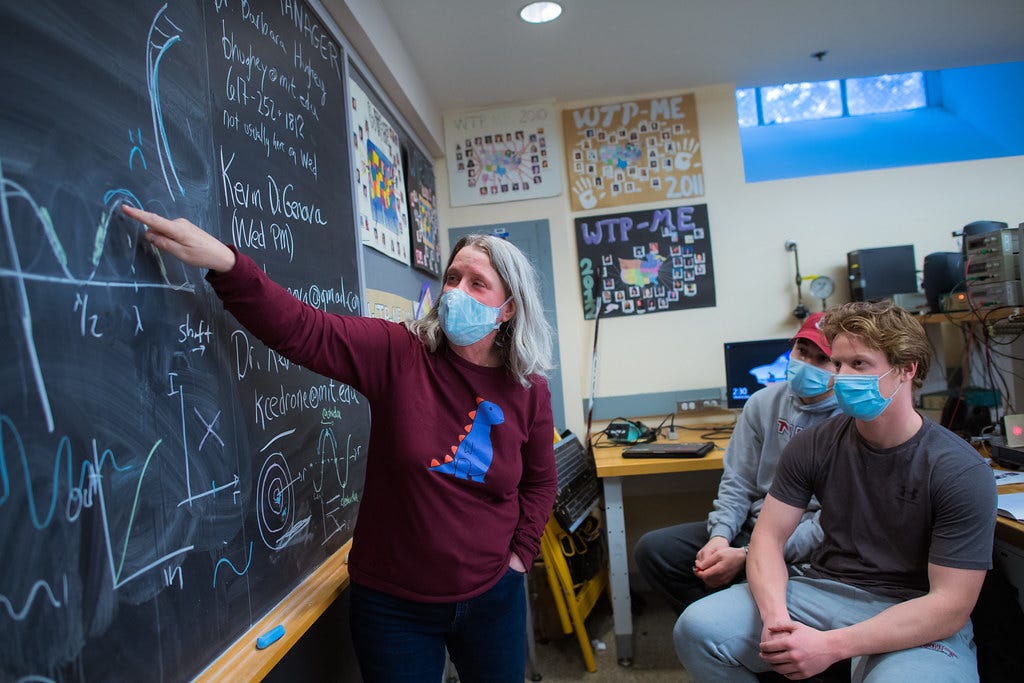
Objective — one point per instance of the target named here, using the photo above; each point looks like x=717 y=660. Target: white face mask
x=465 y=320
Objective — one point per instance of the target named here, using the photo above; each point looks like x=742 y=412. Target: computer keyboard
x=578 y=486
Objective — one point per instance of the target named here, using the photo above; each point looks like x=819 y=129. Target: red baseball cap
x=811 y=330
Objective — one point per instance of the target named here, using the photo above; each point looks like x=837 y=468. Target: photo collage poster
x=503 y=155
x=388 y=306
x=424 y=223
x=635 y=152
x=645 y=261
x=380 y=184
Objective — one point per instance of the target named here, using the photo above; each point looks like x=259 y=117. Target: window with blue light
x=812 y=100
x=843 y=125
x=891 y=92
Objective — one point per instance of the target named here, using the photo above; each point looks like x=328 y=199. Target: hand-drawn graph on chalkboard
x=380 y=183
x=645 y=261
x=502 y=155
x=633 y=152
x=165 y=479
x=425 y=229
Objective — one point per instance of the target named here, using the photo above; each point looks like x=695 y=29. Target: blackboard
x=165 y=480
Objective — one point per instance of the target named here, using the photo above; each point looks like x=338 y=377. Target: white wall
x=749 y=224
x=368 y=30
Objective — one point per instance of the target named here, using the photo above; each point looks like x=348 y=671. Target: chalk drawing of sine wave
x=640 y=272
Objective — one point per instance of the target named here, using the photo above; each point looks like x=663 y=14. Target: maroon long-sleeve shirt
x=442 y=509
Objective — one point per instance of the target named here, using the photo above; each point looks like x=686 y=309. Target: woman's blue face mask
x=859 y=396
x=807 y=380
x=465 y=320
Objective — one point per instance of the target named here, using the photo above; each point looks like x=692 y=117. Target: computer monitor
x=753 y=365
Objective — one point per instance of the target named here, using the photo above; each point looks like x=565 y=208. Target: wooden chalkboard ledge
x=297 y=612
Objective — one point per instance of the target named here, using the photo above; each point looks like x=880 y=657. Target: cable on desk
x=709 y=432
x=671 y=428
x=713 y=432
x=717 y=433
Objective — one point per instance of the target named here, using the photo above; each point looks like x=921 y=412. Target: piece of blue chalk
x=270 y=637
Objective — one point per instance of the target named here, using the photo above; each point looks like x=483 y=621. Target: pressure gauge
x=822 y=287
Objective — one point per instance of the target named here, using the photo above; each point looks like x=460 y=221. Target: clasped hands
x=795 y=650
x=718 y=563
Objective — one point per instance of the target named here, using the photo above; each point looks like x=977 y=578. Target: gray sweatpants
x=717 y=637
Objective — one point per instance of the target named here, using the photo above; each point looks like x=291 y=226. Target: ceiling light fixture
x=540 y=12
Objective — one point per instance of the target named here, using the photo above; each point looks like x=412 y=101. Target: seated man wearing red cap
x=683 y=563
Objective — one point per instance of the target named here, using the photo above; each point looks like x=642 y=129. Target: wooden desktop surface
x=1007 y=529
x=610 y=462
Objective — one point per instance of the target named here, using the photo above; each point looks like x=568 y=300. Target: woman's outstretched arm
x=184 y=240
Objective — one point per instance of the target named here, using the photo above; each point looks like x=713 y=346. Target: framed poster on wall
x=645 y=261
x=380 y=184
x=636 y=152
x=503 y=155
x=423 y=221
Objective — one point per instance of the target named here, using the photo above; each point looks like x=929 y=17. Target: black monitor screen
x=753 y=365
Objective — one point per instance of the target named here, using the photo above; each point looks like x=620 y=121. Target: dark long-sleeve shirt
x=442 y=508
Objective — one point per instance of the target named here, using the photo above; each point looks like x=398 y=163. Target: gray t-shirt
x=886 y=514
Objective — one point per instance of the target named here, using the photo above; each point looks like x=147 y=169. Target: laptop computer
x=685 y=449
x=578 y=487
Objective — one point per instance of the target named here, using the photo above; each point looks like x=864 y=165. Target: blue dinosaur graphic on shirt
x=472 y=456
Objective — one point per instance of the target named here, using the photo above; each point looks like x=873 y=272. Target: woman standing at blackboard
x=460 y=475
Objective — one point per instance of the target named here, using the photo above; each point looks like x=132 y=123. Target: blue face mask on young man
x=859 y=396
x=807 y=380
x=465 y=320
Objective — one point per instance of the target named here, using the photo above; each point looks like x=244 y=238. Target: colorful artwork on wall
x=388 y=306
x=635 y=152
x=424 y=224
x=380 y=184
x=503 y=155
x=645 y=261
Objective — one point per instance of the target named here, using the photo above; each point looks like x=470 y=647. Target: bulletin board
x=380 y=183
x=645 y=261
x=387 y=306
x=503 y=155
x=635 y=152
x=424 y=223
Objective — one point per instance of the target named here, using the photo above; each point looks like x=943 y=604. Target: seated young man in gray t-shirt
x=907 y=511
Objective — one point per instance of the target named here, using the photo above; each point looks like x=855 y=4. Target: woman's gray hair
x=524 y=342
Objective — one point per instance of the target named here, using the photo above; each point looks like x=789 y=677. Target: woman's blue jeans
x=403 y=640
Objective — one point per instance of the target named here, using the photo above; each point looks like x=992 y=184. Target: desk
x=611 y=468
x=1007 y=529
x=1009 y=549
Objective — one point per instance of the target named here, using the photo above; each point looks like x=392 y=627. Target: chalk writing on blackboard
x=165 y=479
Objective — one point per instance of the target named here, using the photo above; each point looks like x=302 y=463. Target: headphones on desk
x=630 y=432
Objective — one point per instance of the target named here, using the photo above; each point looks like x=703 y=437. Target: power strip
x=1006 y=327
x=698 y=404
